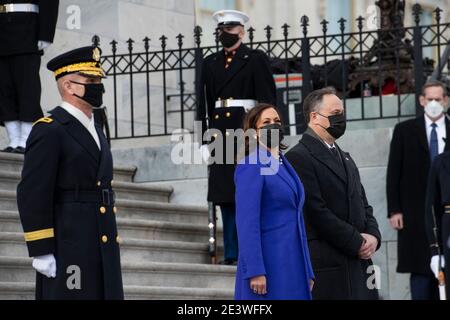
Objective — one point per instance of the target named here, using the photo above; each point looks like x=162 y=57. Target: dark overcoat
x=66 y=205
x=336 y=213
x=21 y=31
x=406 y=185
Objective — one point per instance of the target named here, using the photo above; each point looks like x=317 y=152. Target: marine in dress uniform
x=230 y=81
x=27 y=28
x=65 y=196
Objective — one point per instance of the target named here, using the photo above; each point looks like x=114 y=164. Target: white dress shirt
x=87 y=122
x=330 y=146
x=440 y=130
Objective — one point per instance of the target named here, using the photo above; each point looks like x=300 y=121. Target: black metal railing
x=151 y=92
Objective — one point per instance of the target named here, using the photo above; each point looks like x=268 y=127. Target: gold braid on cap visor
x=90 y=68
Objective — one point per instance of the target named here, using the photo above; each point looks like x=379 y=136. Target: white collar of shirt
x=330 y=146
x=441 y=131
x=77 y=113
x=439 y=123
x=87 y=122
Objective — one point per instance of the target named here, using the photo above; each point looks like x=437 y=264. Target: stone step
x=13 y=162
x=123 y=189
x=152 y=210
x=136 y=209
x=12 y=244
x=135 y=228
x=25 y=291
x=157 y=274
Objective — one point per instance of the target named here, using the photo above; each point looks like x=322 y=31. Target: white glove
x=434 y=264
x=205 y=152
x=46 y=265
x=43 y=44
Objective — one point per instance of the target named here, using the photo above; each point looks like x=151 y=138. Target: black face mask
x=266 y=135
x=228 y=39
x=338 y=123
x=93 y=93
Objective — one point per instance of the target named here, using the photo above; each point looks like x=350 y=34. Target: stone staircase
x=164 y=246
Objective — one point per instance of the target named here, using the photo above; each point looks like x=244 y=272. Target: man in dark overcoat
x=414 y=144
x=343 y=234
x=65 y=196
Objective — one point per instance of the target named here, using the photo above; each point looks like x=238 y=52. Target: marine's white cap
x=230 y=18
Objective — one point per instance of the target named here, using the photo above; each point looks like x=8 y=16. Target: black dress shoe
x=20 y=150
x=9 y=149
x=228 y=262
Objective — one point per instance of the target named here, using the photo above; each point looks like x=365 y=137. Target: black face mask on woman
x=266 y=135
x=93 y=93
x=338 y=124
x=228 y=39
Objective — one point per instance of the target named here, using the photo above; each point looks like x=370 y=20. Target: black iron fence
x=378 y=73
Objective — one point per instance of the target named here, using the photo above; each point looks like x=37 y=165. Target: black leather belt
x=105 y=197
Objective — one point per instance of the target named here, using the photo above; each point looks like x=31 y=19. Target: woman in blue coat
x=274 y=260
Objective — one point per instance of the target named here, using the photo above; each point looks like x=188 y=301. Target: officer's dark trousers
x=229 y=231
x=424 y=287
x=20 y=88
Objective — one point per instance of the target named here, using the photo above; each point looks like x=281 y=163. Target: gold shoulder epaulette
x=44 y=119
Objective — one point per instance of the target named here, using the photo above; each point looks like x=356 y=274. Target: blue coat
x=271 y=232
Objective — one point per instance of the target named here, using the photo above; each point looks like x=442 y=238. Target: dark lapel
x=320 y=152
x=447 y=130
x=349 y=168
x=78 y=132
x=240 y=60
x=422 y=133
x=105 y=158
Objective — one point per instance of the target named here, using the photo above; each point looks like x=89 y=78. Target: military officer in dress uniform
x=27 y=27
x=65 y=196
x=437 y=216
x=231 y=81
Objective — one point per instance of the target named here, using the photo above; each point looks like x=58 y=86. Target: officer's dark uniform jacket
x=438 y=198
x=66 y=206
x=21 y=31
x=247 y=77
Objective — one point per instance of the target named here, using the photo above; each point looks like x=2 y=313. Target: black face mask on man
x=93 y=94
x=338 y=124
x=228 y=39
x=266 y=135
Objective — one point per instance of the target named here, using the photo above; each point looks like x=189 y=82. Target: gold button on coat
x=115 y=209
x=98 y=183
x=118 y=240
x=228 y=114
x=102 y=210
x=104 y=239
x=216 y=116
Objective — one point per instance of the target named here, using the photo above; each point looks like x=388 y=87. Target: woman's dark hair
x=250 y=121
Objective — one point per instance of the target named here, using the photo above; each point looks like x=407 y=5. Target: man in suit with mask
x=229 y=83
x=343 y=234
x=415 y=143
